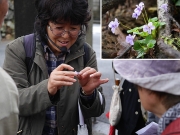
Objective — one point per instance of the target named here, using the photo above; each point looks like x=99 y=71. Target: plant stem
x=144 y=19
x=146 y=14
x=125 y=26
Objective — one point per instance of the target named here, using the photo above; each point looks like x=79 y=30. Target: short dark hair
x=73 y=11
x=168 y=100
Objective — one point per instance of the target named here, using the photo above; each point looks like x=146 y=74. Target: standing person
x=9 y=94
x=158 y=87
x=132 y=117
x=50 y=92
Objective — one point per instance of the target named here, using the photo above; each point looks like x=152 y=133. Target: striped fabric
x=50 y=127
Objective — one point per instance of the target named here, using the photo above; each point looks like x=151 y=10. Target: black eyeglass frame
x=63 y=32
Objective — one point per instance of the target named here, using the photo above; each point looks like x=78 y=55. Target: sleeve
x=87 y=100
x=32 y=99
x=9 y=100
x=98 y=105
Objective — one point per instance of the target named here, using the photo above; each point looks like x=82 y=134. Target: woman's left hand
x=89 y=79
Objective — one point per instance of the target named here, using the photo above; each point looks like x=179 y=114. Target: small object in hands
x=77 y=73
x=117 y=81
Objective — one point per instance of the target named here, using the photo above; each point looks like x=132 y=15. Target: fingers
x=102 y=81
x=64 y=73
x=89 y=72
x=96 y=76
x=64 y=82
x=86 y=72
x=64 y=67
x=54 y=85
x=90 y=78
x=58 y=79
x=63 y=79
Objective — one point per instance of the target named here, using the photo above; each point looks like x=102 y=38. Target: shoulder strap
x=29 y=47
x=86 y=55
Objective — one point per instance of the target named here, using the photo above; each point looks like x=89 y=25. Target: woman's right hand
x=63 y=75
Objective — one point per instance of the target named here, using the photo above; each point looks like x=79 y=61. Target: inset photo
x=133 y=29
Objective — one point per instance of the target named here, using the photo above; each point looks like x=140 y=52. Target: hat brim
x=157 y=75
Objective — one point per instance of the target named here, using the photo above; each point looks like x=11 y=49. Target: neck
x=159 y=110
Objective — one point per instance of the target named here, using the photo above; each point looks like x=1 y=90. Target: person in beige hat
x=9 y=97
x=158 y=83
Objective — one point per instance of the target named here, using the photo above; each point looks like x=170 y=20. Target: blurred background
x=21 y=15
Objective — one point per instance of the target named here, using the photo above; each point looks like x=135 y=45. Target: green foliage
x=177 y=2
x=145 y=41
x=173 y=42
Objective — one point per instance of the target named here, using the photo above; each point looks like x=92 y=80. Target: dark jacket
x=131 y=118
x=34 y=98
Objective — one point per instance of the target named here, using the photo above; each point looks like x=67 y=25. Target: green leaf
x=170 y=41
x=137 y=45
x=150 y=45
x=136 y=33
x=140 y=54
x=156 y=24
x=162 y=23
x=147 y=39
x=155 y=19
x=178 y=3
x=143 y=34
x=133 y=30
x=152 y=41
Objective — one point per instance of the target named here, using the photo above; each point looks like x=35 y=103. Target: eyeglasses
x=60 y=32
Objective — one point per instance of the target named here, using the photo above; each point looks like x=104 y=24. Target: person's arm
x=9 y=101
x=87 y=100
x=33 y=99
x=95 y=108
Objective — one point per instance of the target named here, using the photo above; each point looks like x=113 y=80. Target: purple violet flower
x=113 y=25
x=164 y=7
x=138 y=10
x=130 y=38
x=135 y=15
x=141 y=4
x=148 y=27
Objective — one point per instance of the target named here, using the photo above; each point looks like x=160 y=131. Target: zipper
x=57 y=122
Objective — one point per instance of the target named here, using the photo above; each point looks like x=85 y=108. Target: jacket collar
x=169 y=116
x=76 y=51
x=39 y=58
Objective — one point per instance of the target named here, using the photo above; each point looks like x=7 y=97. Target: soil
x=123 y=12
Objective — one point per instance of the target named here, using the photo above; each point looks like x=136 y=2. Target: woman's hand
x=59 y=77
x=89 y=79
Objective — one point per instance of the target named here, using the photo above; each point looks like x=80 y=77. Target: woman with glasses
x=60 y=90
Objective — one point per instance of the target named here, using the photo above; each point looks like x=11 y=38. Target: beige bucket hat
x=157 y=75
